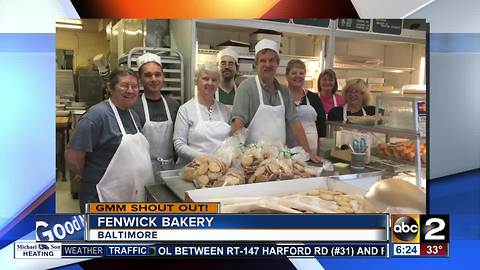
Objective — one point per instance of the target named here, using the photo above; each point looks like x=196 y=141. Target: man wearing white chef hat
x=264 y=105
x=227 y=61
x=157 y=112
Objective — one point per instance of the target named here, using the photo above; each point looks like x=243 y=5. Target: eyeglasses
x=225 y=64
x=126 y=86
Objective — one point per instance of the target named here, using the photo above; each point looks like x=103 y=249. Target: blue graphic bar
x=31 y=43
x=222 y=221
x=455 y=42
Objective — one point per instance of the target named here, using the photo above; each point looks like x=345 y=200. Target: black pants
x=87 y=194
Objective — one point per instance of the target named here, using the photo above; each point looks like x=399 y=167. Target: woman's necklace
x=210 y=111
x=297 y=98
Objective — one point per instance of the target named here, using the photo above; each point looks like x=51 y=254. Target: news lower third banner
x=237 y=227
x=197 y=229
x=25 y=250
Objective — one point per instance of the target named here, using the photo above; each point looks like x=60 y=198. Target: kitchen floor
x=64 y=201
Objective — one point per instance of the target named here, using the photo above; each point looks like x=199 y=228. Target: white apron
x=129 y=170
x=345 y=108
x=268 y=123
x=308 y=117
x=207 y=136
x=159 y=135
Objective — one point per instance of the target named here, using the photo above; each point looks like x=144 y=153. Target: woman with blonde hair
x=357 y=97
x=202 y=122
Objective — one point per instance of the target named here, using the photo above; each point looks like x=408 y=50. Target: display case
x=399 y=134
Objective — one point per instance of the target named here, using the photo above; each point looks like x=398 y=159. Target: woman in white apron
x=129 y=170
x=357 y=98
x=310 y=114
x=107 y=152
x=201 y=125
x=327 y=90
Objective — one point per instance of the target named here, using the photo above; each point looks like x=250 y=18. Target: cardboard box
x=376 y=80
x=255 y=37
x=204 y=46
x=207 y=58
x=281 y=70
x=259 y=35
x=345 y=155
x=239 y=50
x=242 y=48
x=245 y=67
x=274 y=188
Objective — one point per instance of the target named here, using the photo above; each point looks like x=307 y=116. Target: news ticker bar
x=35 y=250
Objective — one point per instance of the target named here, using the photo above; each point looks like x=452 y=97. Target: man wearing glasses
x=227 y=61
x=107 y=152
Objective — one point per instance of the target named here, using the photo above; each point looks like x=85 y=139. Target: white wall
x=454 y=89
x=454 y=113
x=85 y=46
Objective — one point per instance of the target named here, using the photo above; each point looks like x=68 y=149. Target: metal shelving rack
x=173 y=68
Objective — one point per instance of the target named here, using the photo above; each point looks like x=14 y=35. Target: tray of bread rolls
x=402 y=151
x=368 y=120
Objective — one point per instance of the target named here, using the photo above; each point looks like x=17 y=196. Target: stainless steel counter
x=172 y=187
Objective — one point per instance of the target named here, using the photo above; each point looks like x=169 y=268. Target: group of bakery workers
x=119 y=143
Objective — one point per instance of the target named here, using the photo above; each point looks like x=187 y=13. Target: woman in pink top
x=327 y=88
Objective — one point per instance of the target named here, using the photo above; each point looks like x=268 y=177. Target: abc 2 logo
x=414 y=229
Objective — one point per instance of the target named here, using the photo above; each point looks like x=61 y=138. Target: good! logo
x=60 y=227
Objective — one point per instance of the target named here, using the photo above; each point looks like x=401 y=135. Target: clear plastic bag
x=234 y=176
x=203 y=171
x=253 y=155
x=230 y=150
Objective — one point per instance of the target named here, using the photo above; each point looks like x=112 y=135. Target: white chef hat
x=267 y=44
x=148 y=57
x=229 y=52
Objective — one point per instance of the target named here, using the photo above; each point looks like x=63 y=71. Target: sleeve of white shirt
x=183 y=124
